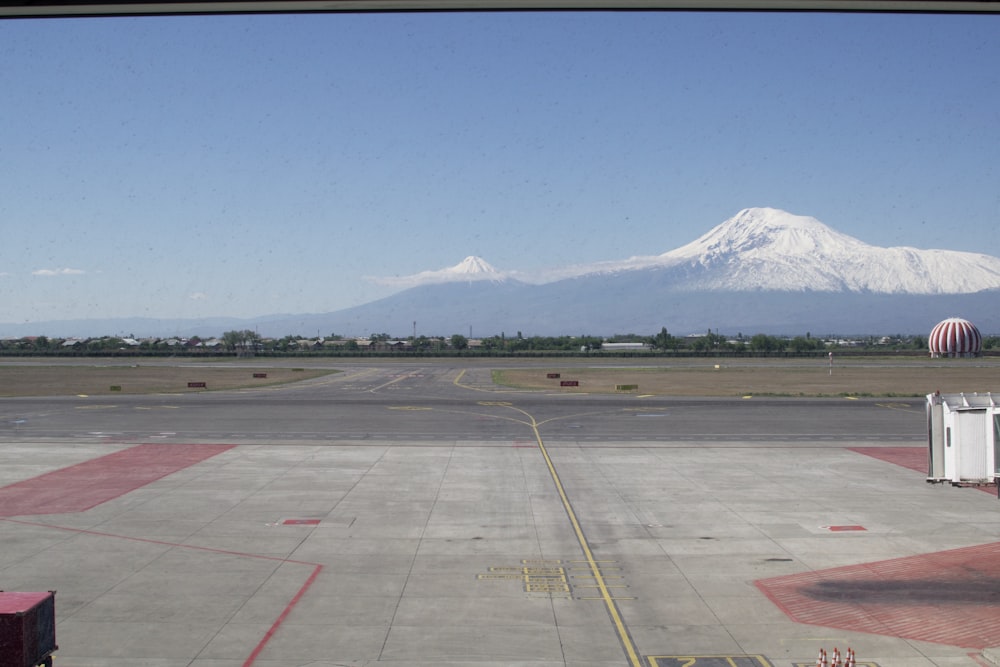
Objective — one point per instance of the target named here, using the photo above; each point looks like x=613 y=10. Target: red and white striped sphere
x=955 y=337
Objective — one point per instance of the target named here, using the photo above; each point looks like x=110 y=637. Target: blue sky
x=249 y=165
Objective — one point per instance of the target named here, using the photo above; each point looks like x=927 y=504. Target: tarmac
x=423 y=517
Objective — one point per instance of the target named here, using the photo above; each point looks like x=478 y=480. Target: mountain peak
x=470 y=269
x=474 y=266
x=755 y=231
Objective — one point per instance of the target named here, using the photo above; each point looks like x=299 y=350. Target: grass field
x=695 y=377
x=770 y=378
x=22 y=379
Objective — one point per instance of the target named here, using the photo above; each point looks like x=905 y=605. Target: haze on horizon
x=244 y=165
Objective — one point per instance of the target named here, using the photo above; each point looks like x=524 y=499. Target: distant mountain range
x=762 y=271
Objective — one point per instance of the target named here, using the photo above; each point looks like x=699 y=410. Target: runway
x=438 y=402
x=418 y=514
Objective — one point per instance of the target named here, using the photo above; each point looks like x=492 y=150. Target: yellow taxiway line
x=592 y=564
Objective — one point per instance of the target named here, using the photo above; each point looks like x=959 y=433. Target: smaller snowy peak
x=470 y=269
x=474 y=266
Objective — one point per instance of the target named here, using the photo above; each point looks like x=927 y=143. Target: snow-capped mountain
x=770 y=249
x=763 y=270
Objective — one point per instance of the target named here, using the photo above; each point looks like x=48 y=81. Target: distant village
x=248 y=343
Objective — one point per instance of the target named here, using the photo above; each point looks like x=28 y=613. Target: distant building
x=955 y=337
x=619 y=347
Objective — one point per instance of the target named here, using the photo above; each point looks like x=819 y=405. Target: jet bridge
x=963 y=433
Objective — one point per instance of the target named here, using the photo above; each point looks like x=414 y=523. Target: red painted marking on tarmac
x=300 y=522
x=914 y=458
x=317 y=568
x=840 y=529
x=88 y=484
x=978 y=659
x=281 y=618
x=947 y=597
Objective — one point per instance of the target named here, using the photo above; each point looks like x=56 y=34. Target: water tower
x=955 y=337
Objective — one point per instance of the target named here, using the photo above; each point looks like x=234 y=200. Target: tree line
x=249 y=343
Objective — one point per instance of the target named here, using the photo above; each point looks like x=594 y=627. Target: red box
x=27 y=629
